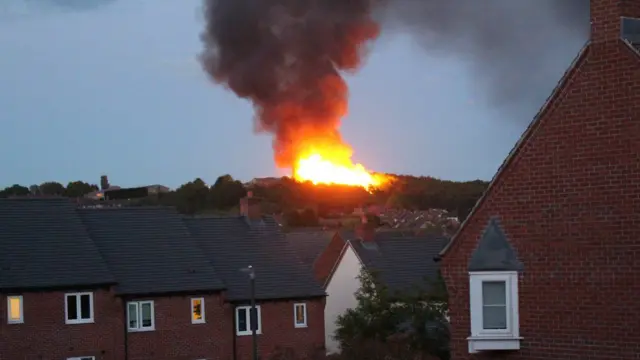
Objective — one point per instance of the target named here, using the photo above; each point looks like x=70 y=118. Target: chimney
x=250 y=207
x=607 y=18
x=366 y=230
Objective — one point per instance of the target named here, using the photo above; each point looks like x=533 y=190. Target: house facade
x=546 y=264
x=134 y=283
x=395 y=258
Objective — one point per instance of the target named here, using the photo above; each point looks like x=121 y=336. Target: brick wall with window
x=282 y=326
x=45 y=331
x=567 y=202
x=179 y=327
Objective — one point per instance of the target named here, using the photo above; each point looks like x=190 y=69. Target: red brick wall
x=44 y=334
x=176 y=338
x=569 y=202
x=327 y=260
x=278 y=330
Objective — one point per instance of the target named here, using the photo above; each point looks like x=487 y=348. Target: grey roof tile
x=43 y=244
x=494 y=253
x=232 y=243
x=150 y=250
x=308 y=245
x=402 y=263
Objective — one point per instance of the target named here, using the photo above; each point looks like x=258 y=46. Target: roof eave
x=533 y=125
x=56 y=288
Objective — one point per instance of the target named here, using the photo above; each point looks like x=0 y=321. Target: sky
x=115 y=88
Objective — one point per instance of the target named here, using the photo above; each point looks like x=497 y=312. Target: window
x=78 y=308
x=197 y=311
x=140 y=316
x=494 y=311
x=243 y=320
x=15 y=314
x=82 y=358
x=300 y=315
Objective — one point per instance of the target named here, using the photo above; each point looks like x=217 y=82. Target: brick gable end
x=568 y=202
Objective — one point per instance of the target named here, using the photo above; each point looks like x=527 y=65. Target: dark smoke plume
x=286 y=56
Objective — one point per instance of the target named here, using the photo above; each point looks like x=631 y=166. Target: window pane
x=197 y=309
x=85 y=306
x=14 y=309
x=72 y=307
x=133 y=316
x=494 y=317
x=242 y=320
x=494 y=293
x=145 y=310
x=300 y=314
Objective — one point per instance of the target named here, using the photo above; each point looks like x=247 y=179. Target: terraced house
x=145 y=283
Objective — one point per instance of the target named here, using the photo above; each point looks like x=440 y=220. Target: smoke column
x=287 y=56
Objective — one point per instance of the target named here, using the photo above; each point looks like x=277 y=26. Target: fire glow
x=335 y=168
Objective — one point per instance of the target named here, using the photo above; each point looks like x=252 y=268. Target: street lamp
x=253 y=313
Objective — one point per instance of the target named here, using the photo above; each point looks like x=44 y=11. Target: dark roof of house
x=43 y=244
x=150 y=250
x=382 y=234
x=233 y=243
x=494 y=252
x=402 y=264
x=309 y=244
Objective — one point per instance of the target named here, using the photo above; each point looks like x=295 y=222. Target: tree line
x=302 y=201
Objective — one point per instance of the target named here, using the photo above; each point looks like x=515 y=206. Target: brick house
x=546 y=266
x=134 y=284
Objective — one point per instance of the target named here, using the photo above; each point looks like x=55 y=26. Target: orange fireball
x=334 y=166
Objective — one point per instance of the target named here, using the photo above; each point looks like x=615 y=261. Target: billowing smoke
x=286 y=56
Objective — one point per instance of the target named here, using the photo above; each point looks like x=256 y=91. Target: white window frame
x=248 y=320
x=193 y=319
x=494 y=339
x=138 y=305
x=21 y=301
x=82 y=358
x=77 y=297
x=295 y=315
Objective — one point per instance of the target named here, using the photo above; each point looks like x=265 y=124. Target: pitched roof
x=494 y=253
x=150 y=250
x=402 y=263
x=232 y=243
x=43 y=244
x=308 y=245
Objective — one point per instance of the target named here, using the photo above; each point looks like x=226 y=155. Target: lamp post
x=253 y=313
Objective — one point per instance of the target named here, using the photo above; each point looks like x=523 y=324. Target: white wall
x=341 y=295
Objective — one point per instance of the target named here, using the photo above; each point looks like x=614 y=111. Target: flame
x=333 y=165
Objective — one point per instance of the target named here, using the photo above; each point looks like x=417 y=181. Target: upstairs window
x=300 y=315
x=197 y=311
x=244 y=323
x=78 y=308
x=15 y=312
x=140 y=316
x=493 y=290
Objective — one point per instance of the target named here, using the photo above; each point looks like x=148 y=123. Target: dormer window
x=493 y=290
x=631 y=30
